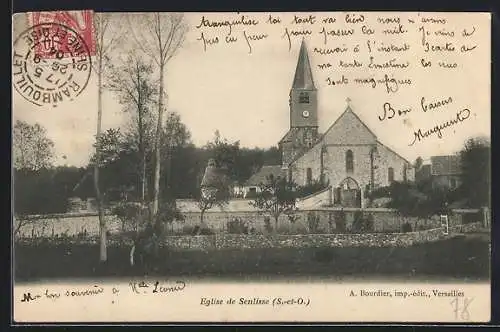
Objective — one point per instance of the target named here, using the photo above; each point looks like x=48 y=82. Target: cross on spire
x=348 y=101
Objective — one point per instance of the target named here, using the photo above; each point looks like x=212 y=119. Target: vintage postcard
x=251 y=167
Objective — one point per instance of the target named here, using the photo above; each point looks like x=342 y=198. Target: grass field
x=461 y=257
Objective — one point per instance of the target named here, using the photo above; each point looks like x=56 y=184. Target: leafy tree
x=418 y=163
x=250 y=161
x=476 y=172
x=175 y=137
x=225 y=154
x=276 y=196
x=409 y=202
x=31 y=188
x=32 y=148
x=119 y=165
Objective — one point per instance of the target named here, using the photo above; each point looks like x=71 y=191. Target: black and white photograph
x=251 y=167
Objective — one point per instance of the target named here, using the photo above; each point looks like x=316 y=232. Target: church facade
x=348 y=155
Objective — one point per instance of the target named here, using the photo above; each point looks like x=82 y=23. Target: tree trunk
x=168 y=170
x=143 y=175
x=157 y=144
x=102 y=222
x=142 y=150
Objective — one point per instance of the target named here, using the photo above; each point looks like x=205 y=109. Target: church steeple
x=303 y=133
x=303 y=74
x=303 y=95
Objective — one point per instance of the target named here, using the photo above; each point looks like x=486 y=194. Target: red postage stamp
x=80 y=21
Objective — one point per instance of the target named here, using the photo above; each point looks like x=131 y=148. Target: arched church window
x=304 y=98
x=349 y=161
x=309 y=176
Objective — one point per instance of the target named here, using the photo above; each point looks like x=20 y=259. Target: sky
x=245 y=94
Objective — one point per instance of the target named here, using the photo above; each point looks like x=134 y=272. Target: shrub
x=192 y=230
x=313 y=222
x=237 y=226
x=133 y=215
x=363 y=223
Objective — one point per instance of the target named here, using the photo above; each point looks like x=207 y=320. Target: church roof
x=320 y=140
x=263 y=173
x=213 y=177
x=303 y=75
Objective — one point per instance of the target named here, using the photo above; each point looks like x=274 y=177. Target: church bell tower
x=303 y=95
x=303 y=131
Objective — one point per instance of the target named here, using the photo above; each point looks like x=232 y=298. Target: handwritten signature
x=420 y=134
x=157 y=287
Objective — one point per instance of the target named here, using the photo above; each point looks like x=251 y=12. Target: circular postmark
x=51 y=64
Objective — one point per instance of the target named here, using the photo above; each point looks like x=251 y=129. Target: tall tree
x=160 y=36
x=133 y=83
x=33 y=150
x=476 y=176
x=225 y=154
x=418 y=163
x=175 y=136
x=107 y=35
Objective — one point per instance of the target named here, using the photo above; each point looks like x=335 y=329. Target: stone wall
x=233 y=241
x=385 y=221
x=66 y=224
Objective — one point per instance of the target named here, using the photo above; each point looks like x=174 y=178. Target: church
x=348 y=156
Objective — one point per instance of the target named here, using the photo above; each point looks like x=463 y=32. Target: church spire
x=303 y=75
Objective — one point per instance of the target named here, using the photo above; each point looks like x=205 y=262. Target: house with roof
x=348 y=155
x=252 y=186
x=444 y=172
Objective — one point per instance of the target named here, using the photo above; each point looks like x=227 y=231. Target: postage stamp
x=51 y=64
x=81 y=22
x=252 y=167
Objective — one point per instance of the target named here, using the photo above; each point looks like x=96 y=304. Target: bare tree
x=108 y=35
x=135 y=89
x=32 y=148
x=160 y=36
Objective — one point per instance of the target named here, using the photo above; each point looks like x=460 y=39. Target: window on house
x=453 y=183
x=405 y=176
x=309 y=176
x=304 y=98
x=349 y=161
x=289 y=174
x=391 y=174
